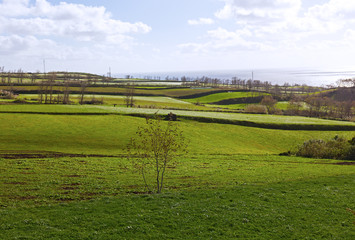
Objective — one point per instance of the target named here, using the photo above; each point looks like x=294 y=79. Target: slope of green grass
x=172 y=92
x=254 y=118
x=216 y=97
x=109 y=134
x=229 y=185
x=110 y=100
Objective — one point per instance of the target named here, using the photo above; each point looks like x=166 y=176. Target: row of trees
x=20 y=77
x=251 y=85
x=310 y=106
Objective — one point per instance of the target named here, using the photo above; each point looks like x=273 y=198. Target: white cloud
x=259 y=11
x=334 y=9
x=282 y=25
x=76 y=21
x=30 y=46
x=14 y=7
x=222 y=41
x=201 y=21
x=70 y=35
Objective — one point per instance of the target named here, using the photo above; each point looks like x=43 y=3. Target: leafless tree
x=269 y=102
x=83 y=86
x=66 y=91
x=3 y=75
x=154 y=149
x=129 y=95
x=51 y=82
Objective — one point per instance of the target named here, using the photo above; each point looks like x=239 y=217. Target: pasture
x=64 y=175
x=217 y=97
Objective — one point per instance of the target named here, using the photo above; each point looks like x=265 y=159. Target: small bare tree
x=129 y=95
x=154 y=149
x=269 y=102
x=66 y=91
x=83 y=86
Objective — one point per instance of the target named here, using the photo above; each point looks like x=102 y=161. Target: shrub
x=20 y=101
x=269 y=102
x=254 y=108
x=351 y=153
x=336 y=148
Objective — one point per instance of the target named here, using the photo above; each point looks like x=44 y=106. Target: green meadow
x=216 y=97
x=237 y=117
x=118 y=100
x=64 y=175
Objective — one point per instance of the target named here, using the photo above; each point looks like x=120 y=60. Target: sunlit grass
x=109 y=134
x=216 y=97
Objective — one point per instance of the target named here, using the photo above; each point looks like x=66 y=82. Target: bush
x=351 y=153
x=254 y=108
x=336 y=148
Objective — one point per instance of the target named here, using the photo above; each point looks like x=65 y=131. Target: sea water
x=311 y=77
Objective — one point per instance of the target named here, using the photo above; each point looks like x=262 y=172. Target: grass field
x=231 y=185
x=171 y=92
x=216 y=97
x=110 y=100
x=109 y=134
x=253 y=118
x=241 y=196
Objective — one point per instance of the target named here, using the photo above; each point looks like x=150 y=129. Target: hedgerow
x=336 y=148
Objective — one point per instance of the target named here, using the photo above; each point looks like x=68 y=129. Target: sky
x=132 y=36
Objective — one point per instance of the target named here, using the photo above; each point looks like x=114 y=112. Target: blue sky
x=133 y=36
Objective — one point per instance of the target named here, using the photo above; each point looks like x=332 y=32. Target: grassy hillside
x=258 y=120
x=217 y=97
x=231 y=185
x=139 y=101
x=168 y=92
x=109 y=134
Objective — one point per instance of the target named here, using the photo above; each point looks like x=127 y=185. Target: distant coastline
x=312 y=77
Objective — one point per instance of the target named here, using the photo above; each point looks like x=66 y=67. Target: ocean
x=311 y=77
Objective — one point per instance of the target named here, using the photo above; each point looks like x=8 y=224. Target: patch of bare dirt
x=140 y=193
x=186 y=177
x=22 y=198
x=69 y=188
x=45 y=154
x=345 y=163
x=15 y=183
x=73 y=176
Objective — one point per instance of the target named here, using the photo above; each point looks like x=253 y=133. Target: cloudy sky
x=176 y=35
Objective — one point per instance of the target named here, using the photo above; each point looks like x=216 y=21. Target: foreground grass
x=206 y=196
x=27 y=182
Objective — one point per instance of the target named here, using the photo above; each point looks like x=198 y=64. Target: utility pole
x=44 y=66
x=109 y=72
